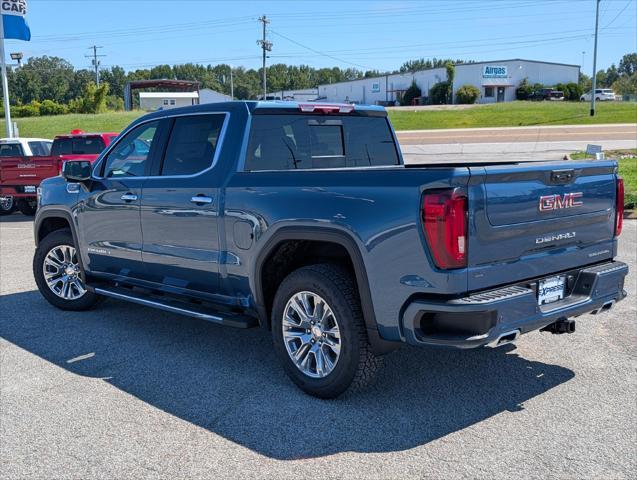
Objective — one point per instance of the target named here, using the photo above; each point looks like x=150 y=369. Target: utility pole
x=594 y=85
x=267 y=47
x=231 y=84
x=583 y=56
x=96 y=63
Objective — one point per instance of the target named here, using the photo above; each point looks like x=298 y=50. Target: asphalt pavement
x=128 y=392
x=511 y=143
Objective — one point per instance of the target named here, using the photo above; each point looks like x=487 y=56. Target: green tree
x=628 y=64
x=626 y=85
x=451 y=75
x=467 y=94
x=411 y=93
x=439 y=93
x=94 y=99
x=524 y=90
x=52 y=75
x=116 y=78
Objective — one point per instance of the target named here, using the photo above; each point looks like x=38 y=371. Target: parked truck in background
x=24 y=163
x=303 y=219
x=22 y=148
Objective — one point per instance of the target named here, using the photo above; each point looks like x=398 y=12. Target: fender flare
x=45 y=213
x=331 y=235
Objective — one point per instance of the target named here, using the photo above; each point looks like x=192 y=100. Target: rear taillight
x=444 y=217
x=619 y=207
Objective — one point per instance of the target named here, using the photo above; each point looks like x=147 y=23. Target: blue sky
x=364 y=34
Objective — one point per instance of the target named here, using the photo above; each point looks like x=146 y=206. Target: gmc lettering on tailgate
x=549 y=203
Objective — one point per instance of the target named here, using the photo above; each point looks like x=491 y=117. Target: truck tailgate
x=17 y=171
x=534 y=219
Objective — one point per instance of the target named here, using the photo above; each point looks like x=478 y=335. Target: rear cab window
x=89 y=145
x=11 y=150
x=301 y=141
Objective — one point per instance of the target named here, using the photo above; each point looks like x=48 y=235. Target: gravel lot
x=130 y=392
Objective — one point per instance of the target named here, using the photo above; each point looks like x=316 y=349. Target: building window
x=166 y=102
x=488 y=92
x=173 y=102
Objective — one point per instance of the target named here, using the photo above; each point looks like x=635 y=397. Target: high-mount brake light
x=326 y=107
x=77 y=131
x=444 y=218
x=619 y=207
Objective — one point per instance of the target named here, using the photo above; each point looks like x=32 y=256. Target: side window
x=192 y=144
x=38 y=149
x=129 y=158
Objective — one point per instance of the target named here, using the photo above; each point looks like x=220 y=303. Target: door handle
x=129 y=197
x=201 y=199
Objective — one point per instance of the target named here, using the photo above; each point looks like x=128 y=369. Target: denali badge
x=555 y=237
x=559 y=202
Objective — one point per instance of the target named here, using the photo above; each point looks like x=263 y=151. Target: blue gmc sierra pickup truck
x=304 y=220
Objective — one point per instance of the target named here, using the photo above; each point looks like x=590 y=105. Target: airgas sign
x=492 y=71
x=13 y=7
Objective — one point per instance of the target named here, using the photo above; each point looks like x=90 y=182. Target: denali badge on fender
x=559 y=202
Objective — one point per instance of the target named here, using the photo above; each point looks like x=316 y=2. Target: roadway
x=512 y=143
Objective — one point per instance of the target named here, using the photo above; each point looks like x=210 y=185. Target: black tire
x=7 y=206
x=357 y=365
x=54 y=239
x=27 y=207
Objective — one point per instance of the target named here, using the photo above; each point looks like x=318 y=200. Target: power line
x=319 y=52
x=618 y=15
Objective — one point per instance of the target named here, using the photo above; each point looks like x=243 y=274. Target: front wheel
x=7 y=205
x=58 y=273
x=319 y=332
x=27 y=207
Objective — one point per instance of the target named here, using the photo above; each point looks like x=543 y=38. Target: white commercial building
x=151 y=101
x=303 y=95
x=496 y=80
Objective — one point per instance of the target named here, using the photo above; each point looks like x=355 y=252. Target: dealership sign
x=14 y=7
x=491 y=71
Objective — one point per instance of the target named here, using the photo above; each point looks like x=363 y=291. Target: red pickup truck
x=21 y=174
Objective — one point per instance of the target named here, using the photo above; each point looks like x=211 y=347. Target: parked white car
x=601 y=95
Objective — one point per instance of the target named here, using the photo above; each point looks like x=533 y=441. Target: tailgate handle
x=562 y=176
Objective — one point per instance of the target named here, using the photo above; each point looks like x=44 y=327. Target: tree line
x=55 y=81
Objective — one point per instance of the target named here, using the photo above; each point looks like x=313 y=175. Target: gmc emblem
x=558 y=202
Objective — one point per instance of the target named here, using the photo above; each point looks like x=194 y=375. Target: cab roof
x=258 y=107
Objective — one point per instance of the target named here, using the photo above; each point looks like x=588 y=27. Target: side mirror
x=77 y=170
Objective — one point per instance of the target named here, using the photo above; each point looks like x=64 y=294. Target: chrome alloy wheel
x=6 y=203
x=311 y=334
x=62 y=273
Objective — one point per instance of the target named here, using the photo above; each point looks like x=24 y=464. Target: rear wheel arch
x=345 y=252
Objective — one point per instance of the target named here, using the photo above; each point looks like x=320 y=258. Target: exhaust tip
x=505 y=338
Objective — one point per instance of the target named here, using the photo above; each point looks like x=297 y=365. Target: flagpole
x=5 y=83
